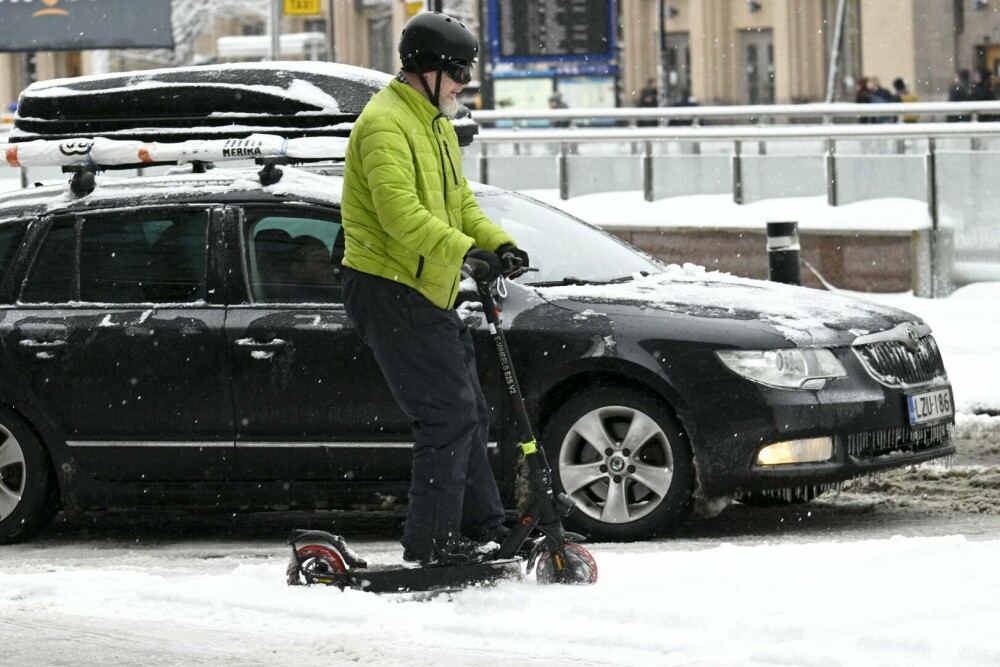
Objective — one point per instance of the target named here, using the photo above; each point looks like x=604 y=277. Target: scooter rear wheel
x=578 y=567
x=315 y=564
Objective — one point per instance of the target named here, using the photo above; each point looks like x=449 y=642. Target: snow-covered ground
x=898 y=570
x=778 y=601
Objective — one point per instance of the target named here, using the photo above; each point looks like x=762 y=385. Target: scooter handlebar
x=469 y=272
x=478 y=273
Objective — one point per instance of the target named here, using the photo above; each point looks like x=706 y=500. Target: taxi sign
x=303 y=7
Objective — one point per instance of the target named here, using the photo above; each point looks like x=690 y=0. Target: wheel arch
x=557 y=394
x=37 y=495
x=9 y=408
x=573 y=392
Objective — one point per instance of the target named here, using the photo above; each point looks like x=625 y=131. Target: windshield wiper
x=568 y=280
x=573 y=280
x=625 y=279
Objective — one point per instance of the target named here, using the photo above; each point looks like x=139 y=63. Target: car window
x=294 y=259
x=10 y=241
x=152 y=257
x=52 y=272
x=560 y=246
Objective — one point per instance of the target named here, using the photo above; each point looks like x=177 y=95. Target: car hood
x=804 y=317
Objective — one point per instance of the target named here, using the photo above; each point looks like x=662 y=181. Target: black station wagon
x=179 y=341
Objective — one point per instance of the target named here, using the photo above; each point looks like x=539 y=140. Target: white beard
x=449 y=107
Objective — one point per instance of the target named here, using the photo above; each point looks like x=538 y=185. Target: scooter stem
x=544 y=510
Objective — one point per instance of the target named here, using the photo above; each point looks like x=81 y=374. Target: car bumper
x=867 y=421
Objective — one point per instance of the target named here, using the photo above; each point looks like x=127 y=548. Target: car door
x=311 y=403
x=120 y=339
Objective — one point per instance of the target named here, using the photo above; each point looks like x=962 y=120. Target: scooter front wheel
x=316 y=564
x=577 y=566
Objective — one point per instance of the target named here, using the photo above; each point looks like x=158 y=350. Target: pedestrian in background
x=880 y=95
x=556 y=102
x=862 y=95
x=903 y=94
x=960 y=91
x=981 y=84
x=649 y=98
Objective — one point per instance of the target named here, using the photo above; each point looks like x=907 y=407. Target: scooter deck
x=400 y=579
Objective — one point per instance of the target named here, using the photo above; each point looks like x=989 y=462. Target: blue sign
x=76 y=25
x=531 y=31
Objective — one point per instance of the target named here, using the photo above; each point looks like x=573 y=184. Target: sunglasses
x=460 y=71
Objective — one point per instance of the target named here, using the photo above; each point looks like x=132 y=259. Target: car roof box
x=291 y=99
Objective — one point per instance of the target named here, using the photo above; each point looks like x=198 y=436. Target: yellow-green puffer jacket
x=408 y=212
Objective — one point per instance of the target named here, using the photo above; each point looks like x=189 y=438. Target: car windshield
x=563 y=249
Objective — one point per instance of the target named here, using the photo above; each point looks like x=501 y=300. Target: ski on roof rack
x=102 y=153
x=84 y=157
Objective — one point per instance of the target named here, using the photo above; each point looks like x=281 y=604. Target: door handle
x=33 y=344
x=273 y=344
x=42 y=349
x=268 y=346
x=262 y=351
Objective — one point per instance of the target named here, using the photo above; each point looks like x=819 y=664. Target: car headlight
x=792 y=368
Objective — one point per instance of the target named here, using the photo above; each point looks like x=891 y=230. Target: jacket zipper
x=444 y=179
x=454 y=174
x=444 y=172
x=420 y=266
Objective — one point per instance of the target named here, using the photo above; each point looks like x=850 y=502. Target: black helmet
x=433 y=37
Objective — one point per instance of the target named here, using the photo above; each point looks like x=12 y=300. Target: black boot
x=457 y=551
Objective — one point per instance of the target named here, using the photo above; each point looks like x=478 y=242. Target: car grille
x=894 y=364
x=872 y=444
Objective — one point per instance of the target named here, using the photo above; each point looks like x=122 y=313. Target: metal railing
x=923 y=146
x=738 y=136
x=745 y=114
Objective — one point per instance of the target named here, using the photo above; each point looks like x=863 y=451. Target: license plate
x=930 y=406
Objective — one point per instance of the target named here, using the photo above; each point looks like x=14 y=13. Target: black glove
x=484 y=265
x=512 y=258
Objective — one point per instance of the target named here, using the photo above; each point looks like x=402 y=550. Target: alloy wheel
x=12 y=472
x=616 y=464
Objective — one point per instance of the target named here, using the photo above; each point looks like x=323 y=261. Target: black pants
x=426 y=355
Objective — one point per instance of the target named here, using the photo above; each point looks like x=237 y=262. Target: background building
x=719 y=51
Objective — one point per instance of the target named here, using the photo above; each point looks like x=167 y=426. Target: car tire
x=620 y=445
x=28 y=489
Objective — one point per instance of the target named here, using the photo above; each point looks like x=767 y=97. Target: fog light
x=810 y=450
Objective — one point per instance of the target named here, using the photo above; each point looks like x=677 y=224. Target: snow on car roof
x=299 y=90
x=55 y=87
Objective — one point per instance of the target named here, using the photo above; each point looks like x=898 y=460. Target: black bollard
x=783 y=253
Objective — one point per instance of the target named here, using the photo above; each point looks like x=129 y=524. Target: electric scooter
x=537 y=540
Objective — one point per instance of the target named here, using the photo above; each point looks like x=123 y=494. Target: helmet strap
x=437 y=85
x=431 y=96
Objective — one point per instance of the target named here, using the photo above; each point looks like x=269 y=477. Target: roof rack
x=85 y=157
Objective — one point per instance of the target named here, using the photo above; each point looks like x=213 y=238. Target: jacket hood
x=804 y=317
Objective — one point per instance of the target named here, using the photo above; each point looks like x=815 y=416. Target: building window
x=758 y=66
x=314 y=25
x=252 y=28
x=382 y=47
